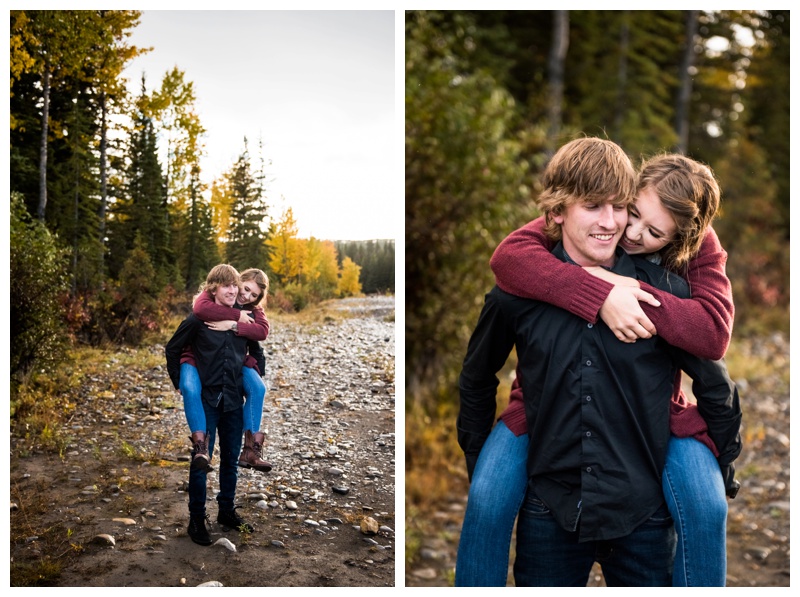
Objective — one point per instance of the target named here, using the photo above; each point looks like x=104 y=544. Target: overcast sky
x=318 y=87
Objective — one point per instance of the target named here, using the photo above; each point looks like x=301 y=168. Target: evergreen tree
x=143 y=210
x=248 y=216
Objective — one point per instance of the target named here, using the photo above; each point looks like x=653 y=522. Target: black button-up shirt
x=597 y=408
x=219 y=357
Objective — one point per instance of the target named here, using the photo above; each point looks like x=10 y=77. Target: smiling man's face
x=226 y=295
x=590 y=231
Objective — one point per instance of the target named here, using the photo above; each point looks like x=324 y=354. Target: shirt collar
x=624 y=265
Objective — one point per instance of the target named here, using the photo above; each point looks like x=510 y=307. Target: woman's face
x=650 y=225
x=248 y=292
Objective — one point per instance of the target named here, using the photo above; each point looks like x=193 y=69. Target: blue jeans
x=692 y=487
x=254 y=390
x=549 y=556
x=191 y=390
x=695 y=494
x=495 y=495
x=229 y=426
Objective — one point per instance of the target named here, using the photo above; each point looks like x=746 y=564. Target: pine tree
x=143 y=210
x=248 y=216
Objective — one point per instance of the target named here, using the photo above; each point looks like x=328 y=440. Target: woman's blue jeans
x=495 y=495
x=229 y=427
x=695 y=494
x=191 y=390
x=693 y=489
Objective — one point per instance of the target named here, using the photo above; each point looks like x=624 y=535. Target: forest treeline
x=490 y=95
x=111 y=220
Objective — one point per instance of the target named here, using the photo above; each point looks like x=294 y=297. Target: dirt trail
x=113 y=506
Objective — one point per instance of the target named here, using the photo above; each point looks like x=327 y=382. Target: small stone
x=277 y=543
x=226 y=544
x=757 y=553
x=290 y=505
x=104 y=540
x=125 y=521
x=369 y=526
x=341 y=490
x=211 y=583
x=311 y=523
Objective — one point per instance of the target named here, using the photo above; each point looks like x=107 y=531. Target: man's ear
x=558 y=218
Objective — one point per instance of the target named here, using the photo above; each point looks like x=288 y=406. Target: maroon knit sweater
x=524 y=266
x=206 y=309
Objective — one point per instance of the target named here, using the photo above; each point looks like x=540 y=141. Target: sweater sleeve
x=206 y=309
x=701 y=325
x=523 y=266
x=259 y=329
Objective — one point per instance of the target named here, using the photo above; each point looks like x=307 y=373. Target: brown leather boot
x=200 y=459
x=251 y=452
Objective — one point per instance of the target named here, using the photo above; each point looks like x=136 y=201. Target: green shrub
x=38 y=290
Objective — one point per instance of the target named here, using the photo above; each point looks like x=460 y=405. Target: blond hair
x=586 y=170
x=690 y=192
x=220 y=275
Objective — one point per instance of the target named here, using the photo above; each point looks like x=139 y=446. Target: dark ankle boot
x=200 y=459
x=197 y=529
x=230 y=519
x=251 y=452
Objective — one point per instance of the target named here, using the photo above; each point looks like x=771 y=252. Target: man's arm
x=488 y=348
x=257 y=352
x=718 y=403
x=182 y=337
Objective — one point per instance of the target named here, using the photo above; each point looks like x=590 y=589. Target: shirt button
x=590 y=326
x=588 y=399
x=588 y=469
x=588 y=363
x=588 y=434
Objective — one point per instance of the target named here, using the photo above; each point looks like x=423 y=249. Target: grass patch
x=55 y=548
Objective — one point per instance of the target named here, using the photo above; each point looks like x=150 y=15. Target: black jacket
x=219 y=357
x=597 y=408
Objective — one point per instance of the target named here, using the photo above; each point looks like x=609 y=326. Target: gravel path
x=113 y=506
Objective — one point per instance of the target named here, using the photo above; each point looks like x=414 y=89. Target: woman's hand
x=220 y=326
x=245 y=317
x=623 y=314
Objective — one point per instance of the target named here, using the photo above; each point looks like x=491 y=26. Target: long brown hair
x=260 y=278
x=690 y=192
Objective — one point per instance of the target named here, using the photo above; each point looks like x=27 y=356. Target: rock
x=226 y=544
x=757 y=553
x=369 y=526
x=425 y=573
x=104 y=540
x=277 y=543
x=341 y=490
x=211 y=583
x=125 y=521
x=290 y=505
x=311 y=523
